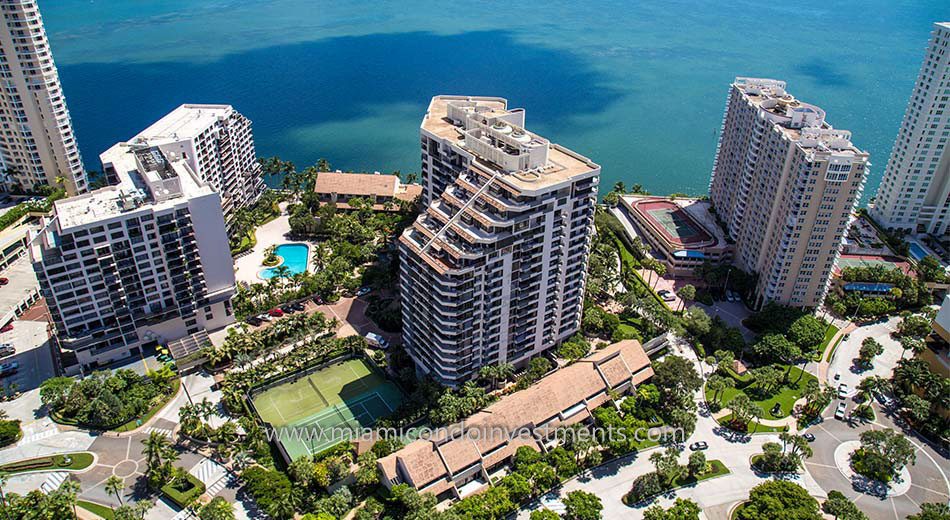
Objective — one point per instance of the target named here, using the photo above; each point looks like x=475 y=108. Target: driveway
x=716 y=496
x=928 y=480
x=883 y=365
x=732 y=313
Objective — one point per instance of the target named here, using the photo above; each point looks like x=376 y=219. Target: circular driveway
x=928 y=481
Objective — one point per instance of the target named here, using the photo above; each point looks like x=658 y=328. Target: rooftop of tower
x=186 y=121
x=485 y=128
x=147 y=176
x=802 y=122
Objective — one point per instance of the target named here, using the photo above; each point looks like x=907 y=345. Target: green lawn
x=103 y=511
x=786 y=396
x=716 y=468
x=80 y=460
x=829 y=334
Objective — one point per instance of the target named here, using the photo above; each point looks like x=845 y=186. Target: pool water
x=916 y=251
x=295 y=259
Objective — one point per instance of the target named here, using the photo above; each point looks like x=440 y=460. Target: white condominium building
x=145 y=261
x=37 y=144
x=785 y=184
x=494 y=269
x=915 y=192
x=217 y=143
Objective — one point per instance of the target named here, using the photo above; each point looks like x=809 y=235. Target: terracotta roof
x=462 y=454
x=548 y=398
x=421 y=462
x=356 y=184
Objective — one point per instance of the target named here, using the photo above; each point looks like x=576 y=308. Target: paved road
x=883 y=365
x=928 y=475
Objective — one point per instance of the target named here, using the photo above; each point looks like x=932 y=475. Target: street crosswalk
x=38 y=436
x=222 y=482
x=53 y=481
x=208 y=471
x=162 y=431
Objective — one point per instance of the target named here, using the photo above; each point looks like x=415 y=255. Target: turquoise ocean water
x=639 y=87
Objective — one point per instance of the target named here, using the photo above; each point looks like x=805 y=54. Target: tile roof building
x=339 y=187
x=465 y=454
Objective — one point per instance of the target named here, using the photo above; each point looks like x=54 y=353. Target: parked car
x=9 y=368
x=6 y=328
x=4 y=281
x=7 y=349
x=882 y=399
x=317 y=300
x=363 y=291
x=837 y=376
x=732 y=296
x=264 y=317
x=254 y=320
x=298 y=307
x=842 y=391
x=809 y=437
x=287 y=309
x=699 y=446
x=840 y=411
x=377 y=341
x=275 y=313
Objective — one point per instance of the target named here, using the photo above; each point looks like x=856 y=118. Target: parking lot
x=32 y=346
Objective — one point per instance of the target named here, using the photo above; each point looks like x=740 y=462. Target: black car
x=698 y=446
x=7 y=350
x=288 y=309
x=809 y=437
x=297 y=306
x=253 y=320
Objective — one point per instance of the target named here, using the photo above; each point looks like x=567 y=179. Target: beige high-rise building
x=915 y=191
x=37 y=144
x=494 y=269
x=785 y=184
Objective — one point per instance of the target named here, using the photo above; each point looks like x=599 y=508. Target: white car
x=265 y=317
x=840 y=411
x=842 y=391
x=375 y=340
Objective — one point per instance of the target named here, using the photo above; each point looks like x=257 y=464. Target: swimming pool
x=295 y=260
x=916 y=251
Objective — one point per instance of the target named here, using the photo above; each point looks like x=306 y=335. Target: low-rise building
x=458 y=460
x=681 y=232
x=139 y=263
x=385 y=191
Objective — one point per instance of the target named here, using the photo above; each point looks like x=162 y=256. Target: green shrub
x=9 y=432
x=186 y=493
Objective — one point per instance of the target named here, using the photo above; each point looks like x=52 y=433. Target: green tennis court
x=348 y=394
x=864 y=262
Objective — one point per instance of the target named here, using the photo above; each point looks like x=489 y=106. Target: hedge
x=183 y=498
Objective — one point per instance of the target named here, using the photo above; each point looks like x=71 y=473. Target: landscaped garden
x=779 y=389
x=70 y=461
x=669 y=474
x=118 y=400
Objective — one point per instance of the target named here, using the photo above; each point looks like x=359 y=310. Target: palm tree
x=686 y=293
x=660 y=269
x=115 y=486
x=3 y=496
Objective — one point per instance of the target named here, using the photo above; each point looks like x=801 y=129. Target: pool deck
x=274 y=233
